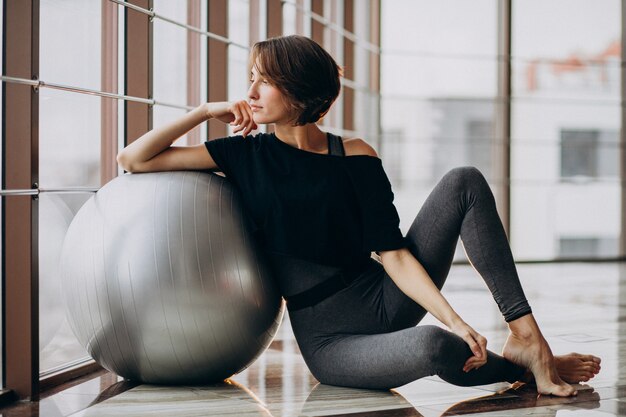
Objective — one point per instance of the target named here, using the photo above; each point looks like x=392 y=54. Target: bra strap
x=335 y=145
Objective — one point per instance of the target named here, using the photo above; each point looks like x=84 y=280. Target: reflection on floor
x=581 y=307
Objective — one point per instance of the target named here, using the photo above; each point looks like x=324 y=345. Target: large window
x=566 y=113
x=439 y=95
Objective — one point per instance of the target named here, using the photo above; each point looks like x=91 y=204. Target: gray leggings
x=365 y=336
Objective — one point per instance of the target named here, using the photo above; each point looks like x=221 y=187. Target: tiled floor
x=581 y=307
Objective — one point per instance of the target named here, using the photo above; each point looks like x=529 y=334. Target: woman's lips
x=255 y=108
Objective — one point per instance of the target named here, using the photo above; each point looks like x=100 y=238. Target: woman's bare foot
x=526 y=347
x=575 y=368
x=572 y=368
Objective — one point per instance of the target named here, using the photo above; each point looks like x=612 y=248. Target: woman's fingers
x=250 y=125
x=473 y=363
x=236 y=114
x=478 y=346
x=473 y=344
x=243 y=119
x=477 y=343
x=482 y=345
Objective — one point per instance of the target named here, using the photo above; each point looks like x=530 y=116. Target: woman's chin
x=260 y=119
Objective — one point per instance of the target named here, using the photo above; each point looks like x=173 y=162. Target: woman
x=321 y=205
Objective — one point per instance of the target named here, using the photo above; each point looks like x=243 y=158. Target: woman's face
x=268 y=104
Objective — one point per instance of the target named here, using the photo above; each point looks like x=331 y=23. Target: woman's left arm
x=413 y=280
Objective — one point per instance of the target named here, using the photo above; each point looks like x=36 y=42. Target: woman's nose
x=252 y=91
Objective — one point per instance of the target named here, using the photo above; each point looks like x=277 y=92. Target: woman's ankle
x=525 y=328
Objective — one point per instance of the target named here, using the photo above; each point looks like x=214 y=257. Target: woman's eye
x=252 y=80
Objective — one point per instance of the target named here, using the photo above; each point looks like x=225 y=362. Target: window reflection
x=57 y=344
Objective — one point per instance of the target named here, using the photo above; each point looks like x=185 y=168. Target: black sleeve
x=381 y=223
x=228 y=153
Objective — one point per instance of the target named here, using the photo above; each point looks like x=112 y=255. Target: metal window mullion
x=254 y=12
x=622 y=150
x=37 y=191
x=300 y=16
x=20 y=316
x=274 y=18
x=217 y=67
x=502 y=154
x=109 y=81
x=348 y=64
x=43 y=84
x=88 y=91
x=318 y=33
x=274 y=27
x=193 y=66
x=138 y=72
x=317 y=25
x=374 y=84
x=94 y=92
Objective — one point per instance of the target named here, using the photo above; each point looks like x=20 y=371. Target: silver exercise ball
x=163 y=283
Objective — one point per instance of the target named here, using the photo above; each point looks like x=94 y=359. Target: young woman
x=321 y=205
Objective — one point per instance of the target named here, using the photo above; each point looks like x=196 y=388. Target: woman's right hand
x=237 y=113
x=476 y=342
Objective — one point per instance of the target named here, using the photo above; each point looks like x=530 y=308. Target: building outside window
x=589 y=154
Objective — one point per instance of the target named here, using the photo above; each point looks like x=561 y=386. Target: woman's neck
x=308 y=137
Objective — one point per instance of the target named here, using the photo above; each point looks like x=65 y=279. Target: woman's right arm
x=154 y=151
x=413 y=280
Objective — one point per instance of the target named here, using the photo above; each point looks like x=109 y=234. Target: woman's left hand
x=476 y=342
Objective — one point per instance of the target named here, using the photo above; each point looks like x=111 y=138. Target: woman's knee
x=467 y=180
x=465 y=175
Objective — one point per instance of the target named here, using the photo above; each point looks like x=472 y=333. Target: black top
x=334 y=210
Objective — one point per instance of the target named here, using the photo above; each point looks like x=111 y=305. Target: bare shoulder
x=357 y=146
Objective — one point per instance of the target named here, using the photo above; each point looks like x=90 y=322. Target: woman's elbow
x=124 y=162
x=389 y=257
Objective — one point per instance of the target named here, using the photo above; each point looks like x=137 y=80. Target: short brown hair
x=302 y=70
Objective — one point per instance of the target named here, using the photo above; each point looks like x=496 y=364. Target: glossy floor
x=581 y=307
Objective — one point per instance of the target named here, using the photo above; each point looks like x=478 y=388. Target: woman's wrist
x=206 y=111
x=453 y=321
